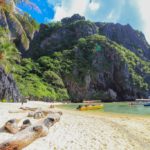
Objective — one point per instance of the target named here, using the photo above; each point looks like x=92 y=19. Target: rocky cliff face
x=61 y=36
x=8 y=88
x=103 y=70
x=113 y=72
x=126 y=36
x=108 y=61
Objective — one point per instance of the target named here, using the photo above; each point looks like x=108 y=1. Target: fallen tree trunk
x=30 y=134
x=11 y=126
x=42 y=113
x=15 y=111
x=26 y=123
x=29 y=108
x=36 y=115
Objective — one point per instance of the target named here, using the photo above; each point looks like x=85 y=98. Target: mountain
x=125 y=35
x=118 y=70
x=78 y=59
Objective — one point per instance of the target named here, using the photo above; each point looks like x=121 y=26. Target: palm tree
x=25 y=28
x=9 y=55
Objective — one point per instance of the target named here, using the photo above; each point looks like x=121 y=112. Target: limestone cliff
x=8 y=88
x=117 y=70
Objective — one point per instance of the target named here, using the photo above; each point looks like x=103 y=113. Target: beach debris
x=29 y=133
x=29 y=108
x=11 y=126
x=52 y=106
x=38 y=115
x=15 y=111
x=26 y=123
x=42 y=113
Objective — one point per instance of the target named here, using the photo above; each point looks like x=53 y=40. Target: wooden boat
x=147 y=104
x=90 y=107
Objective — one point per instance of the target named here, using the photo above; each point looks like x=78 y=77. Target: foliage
x=28 y=23
x=36 y=81
x=52 y=78
x=44 y=77
x=9 y=55
x=3 y=100
x=86 y=53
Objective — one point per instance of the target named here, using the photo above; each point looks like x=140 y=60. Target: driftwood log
x=11 y=126
x=29 y=108
x=25 y=137
x=26 y=123
x=36 y=115
x=42 y=113
x=15 y=111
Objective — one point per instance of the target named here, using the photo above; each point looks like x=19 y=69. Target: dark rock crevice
x=8 y=88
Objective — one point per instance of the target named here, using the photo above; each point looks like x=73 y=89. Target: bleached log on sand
x=42 y=113
x=26 y=123
x=30 y=134
x=15 y=111
x=28 y=108
x=11 y=126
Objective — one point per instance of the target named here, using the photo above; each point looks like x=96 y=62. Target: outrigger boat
x=147 y=104
x=90 y=107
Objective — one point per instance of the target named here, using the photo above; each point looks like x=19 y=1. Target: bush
x=3 y=100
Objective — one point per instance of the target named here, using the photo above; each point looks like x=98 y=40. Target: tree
x=8 y=52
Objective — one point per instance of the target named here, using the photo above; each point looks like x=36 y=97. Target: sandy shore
x=77 y=131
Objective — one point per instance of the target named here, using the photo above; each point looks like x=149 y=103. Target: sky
x=133 y=12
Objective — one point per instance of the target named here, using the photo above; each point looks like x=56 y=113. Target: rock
x=126 y=36
x=112 y=94
x=105 y=73
x=107 y=76
x=75 y=17
x=58 y=38
x=8 y=88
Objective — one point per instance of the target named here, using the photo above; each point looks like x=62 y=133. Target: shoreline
x=83 y=130
x=105 y=114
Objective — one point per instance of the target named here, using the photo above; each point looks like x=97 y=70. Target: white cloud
x=104 y=11
x=94 y=6
x=144 y=9
x=66 y=8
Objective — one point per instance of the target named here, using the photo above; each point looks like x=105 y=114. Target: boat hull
x=84 y=108
x=146 y=105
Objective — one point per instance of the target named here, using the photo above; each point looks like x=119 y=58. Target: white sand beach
x=80 y=131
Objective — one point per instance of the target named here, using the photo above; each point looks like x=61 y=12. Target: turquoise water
x=125 y=108
x=116 y=107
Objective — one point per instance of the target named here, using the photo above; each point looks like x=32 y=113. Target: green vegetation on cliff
x=9 y=55
x=72 y=61
x=63 y=75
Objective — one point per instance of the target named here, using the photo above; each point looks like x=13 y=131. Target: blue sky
x=133 y=12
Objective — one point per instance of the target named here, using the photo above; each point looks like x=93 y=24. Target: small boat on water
x=147 y=104
x=90 y=107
